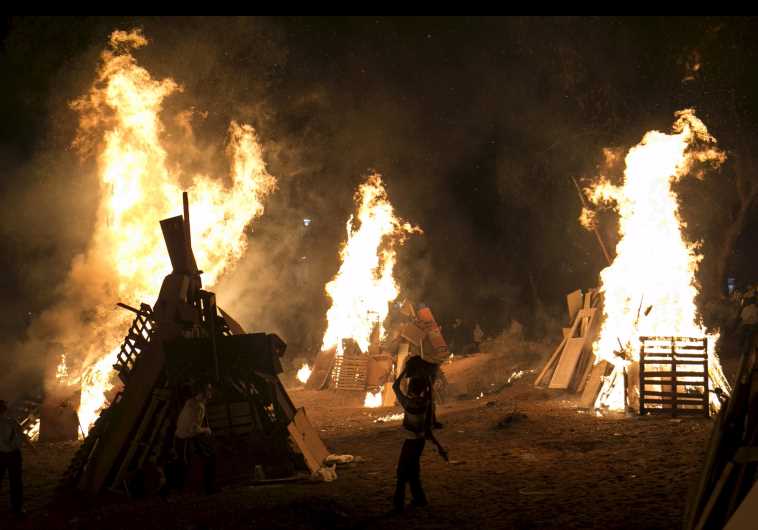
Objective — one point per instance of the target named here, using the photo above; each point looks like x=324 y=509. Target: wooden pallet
x=349 y=372
x=674 y=376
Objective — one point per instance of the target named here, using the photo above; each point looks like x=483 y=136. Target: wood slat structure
x=726 y=495
x=349 y=372
x=674 y=376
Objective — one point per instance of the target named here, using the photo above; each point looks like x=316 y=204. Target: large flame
x=364 y=285
x=654 y=266
x=120 y=121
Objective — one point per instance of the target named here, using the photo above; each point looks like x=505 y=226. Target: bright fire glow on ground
x=389 y=417
x=373 y=400
x=654 y=265
x=120 y=123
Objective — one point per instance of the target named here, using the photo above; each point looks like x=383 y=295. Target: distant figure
x=194 y=438
x=478 y=336
x=417 y=405
x=11 y=439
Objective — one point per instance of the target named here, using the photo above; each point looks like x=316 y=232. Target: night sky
x=476 y=124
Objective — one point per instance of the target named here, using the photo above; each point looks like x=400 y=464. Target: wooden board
x=322 y=369
x=412 y=333
x=745 y=516
x=564 y=371
x=549 y=364
x=574 y=303
x=593 y=384
x=307 y=440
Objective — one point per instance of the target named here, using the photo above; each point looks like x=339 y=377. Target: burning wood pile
x=186 y=338
x=647 y=294
x=358 y=353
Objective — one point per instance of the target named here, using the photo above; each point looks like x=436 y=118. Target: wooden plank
x=574 y=303
x=142 y=379
x=679 y=375
x=550 y=362
x=746 y=514
x=412 y=333
x=714 y=496
x=564 y=371
x=594 y=382
x=306 y=438
x=677 y=362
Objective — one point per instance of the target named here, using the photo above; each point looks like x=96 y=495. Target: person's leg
x=3 y=466
x=209 y=473
x=16 y=482
x=402 y=475
x=419 y=497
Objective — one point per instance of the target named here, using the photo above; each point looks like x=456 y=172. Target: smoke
x=476 y=126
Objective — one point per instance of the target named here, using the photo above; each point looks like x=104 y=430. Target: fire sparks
x=364 y=285
x=373 y=400
x=61 y=372
x=304 y=373
x=649 y=289
x=119 y=120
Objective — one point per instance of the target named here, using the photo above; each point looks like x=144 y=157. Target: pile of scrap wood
x=410 y=333
x=184 y=339
x=727 y=492
x=571 y=366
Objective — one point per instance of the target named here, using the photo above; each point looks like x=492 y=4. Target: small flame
x=372 y=400
x=304 y=373
x=61 y=372
x=389 y=417
x=33 y=432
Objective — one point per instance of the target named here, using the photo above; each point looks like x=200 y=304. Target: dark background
x=477 y=125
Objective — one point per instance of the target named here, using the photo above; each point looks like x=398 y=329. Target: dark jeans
x=409 y=472
x=193 y=448
x=12 y=462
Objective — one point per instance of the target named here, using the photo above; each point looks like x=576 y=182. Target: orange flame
x=373 y=400
x=304 y=373
x=364 y=285
x=119 y=119
x=654 y=265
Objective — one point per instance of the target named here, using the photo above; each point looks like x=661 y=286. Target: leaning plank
x=550 y=362
x=594 y=382
x=745 y=516
x=567 y=363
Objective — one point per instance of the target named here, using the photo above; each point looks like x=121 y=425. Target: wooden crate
x=674 y=375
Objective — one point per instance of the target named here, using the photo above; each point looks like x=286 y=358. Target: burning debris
x=120 y=125
x=361 y=293
x=183 y=339
x=649 y=288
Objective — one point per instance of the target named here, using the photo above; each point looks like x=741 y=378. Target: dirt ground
x=520 y=458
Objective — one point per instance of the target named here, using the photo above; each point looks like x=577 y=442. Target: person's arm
x=198 y=426
x=399 y=393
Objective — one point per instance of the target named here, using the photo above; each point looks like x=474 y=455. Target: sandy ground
x=549 y=466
